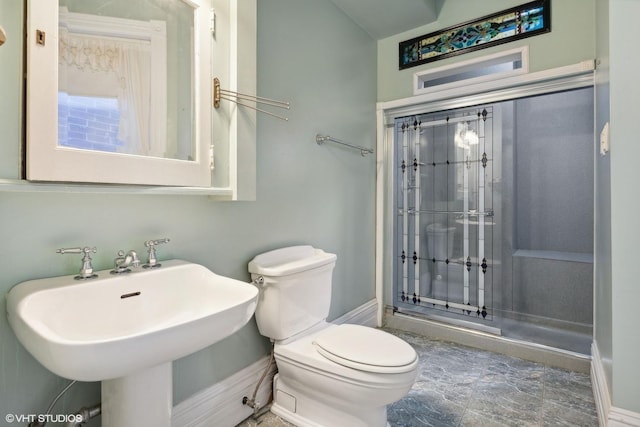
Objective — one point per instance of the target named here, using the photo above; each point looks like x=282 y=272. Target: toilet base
x=294 y=406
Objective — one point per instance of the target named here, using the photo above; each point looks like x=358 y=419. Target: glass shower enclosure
x=493 y=217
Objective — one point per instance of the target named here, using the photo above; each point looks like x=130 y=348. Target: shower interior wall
x=553 y=202
x=548 y=206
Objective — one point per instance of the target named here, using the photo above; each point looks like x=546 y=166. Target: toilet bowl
x=317 y=387
x=328 y=374
x=440 y=242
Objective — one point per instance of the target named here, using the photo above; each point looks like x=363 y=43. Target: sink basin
x=117 y=325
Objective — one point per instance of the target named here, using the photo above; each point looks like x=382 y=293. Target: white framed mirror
x=203 y=39
x=128 y=99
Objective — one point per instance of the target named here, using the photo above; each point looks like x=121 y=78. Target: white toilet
x=328 y=375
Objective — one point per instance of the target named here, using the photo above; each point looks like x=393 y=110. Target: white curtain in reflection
x=134 y=98
x=87 y=53
x=131 y=63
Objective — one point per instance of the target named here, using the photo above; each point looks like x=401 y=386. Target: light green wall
x=625 y=231
x=320 y=195
x=571 y=40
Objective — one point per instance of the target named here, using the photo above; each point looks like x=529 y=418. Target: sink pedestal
x=141 y=399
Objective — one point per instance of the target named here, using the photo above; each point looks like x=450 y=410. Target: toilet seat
x=365 y=349
x=304 y=353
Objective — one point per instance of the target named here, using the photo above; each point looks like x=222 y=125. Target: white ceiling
x=384 y=18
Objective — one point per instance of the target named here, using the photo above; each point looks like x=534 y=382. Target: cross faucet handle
x=86 y=270
x=156 y=242
x=152 y=262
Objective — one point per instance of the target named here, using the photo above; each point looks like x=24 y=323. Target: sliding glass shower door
x=445 y=214
x=492 y=218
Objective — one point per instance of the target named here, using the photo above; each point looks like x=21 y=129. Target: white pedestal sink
x=125 y=330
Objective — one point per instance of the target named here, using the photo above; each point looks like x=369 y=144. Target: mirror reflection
x=126 y=78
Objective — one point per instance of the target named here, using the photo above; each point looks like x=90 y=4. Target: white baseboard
x=599 y=384
x=366 y=315
x=622 y=418
x=608 y=415
x=221 y=404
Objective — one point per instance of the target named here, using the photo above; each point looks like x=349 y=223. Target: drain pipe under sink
x=80 y=417
x=40 y=423
x=84 y=415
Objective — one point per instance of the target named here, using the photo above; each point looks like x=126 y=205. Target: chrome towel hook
x=233 y=96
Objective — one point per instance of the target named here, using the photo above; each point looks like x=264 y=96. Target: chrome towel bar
x=321 y=139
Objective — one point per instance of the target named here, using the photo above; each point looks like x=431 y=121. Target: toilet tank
x=295 y=289
x=440 y=241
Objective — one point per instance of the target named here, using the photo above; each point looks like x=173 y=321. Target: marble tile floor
x=463 y=386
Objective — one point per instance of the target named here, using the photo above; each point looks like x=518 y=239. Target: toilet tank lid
x=436 y=227
x=290 y=260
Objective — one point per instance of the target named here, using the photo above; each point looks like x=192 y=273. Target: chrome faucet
x=122 y=262
x=152 y=262
x=86 y=270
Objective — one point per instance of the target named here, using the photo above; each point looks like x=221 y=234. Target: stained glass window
x=513 y=24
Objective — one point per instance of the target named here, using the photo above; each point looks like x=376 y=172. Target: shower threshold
x=509 y=345
x=456 y=322
x=574 y=341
